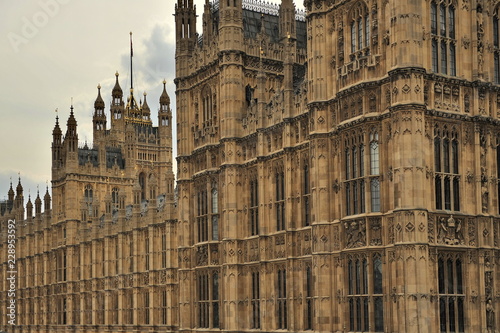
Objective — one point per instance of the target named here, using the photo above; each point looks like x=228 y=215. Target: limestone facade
x=338 y=171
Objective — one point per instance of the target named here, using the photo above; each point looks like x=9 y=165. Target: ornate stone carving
x=355 y=233
x=471 y=232
x=450 y=231
x=202 y=256
x=430 y=230
x=375 y=231
x=391 y=230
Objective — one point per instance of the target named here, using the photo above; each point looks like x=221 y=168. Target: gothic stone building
x=338 y=171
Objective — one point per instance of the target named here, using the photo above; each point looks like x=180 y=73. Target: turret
x=146 y=111
x=29 y=208
x=185 y=34
x=288 y=37
x=19 y=194
x=99 y=118
x=287 y=20
x=11 y=193
x=231 y=25
x=164 y=114
x=19 y=202
x=117 y=102
x=56 y=145
x=71 y=137
x=38 y=205
x=208 y=24
x=46 y=200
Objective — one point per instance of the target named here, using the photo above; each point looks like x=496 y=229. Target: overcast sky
x=56 y=50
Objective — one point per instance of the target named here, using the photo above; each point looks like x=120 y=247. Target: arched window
x=374 y=154
x=309 y=299
x=254 y=205
x=88 y=196
x=215 y=213
x=280 y=200
x=496 y=46
x=306 y=194
x=451 y=294
x=114 y=196
x=355 y=173
x=207 y=105
x=362 y=314
x=443 y=42
x=360 y=28
x=142 y=183
x=446 y=169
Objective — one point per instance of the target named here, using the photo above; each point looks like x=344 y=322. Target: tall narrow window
x=358 y=295
x=360 y=29
x=282 y=311
x=254 y=206
x=164 y=307
x=309 y=299
x=367 y=31
x=446 y=168
x=348 y=201
x=360 y=33
x=451 y=21
x=451 y=296
x=453 y=60
x=355 y=172
x=306 y=193
x=374 y=154
x=280 y=200
x=163 y=250
x=146 y=251
x=203 y=300
x=495 y=31
x=353 y=37
x=496 y=46
x=444 y=58
x=434 y=19
x=88 y=197
x=142 y=184
x=497 y=68
x=208 y=299
x=215 y=300
x=498 y=174
x=435 y=66
x=443 y=42
x=442 y=20
x=255 y=320
x=114 y=198
x=202 y=215
x=215 y=214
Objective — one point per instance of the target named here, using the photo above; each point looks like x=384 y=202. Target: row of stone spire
x=15 y=202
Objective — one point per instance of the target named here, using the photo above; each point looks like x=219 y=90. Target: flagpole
x=131 y=72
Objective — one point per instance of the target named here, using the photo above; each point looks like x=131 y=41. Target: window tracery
x=443 y=39
x=360 y=29
x=446 y=168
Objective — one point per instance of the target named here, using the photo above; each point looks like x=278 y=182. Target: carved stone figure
x=490 y=317
x=450 y=231
x=355 y=234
